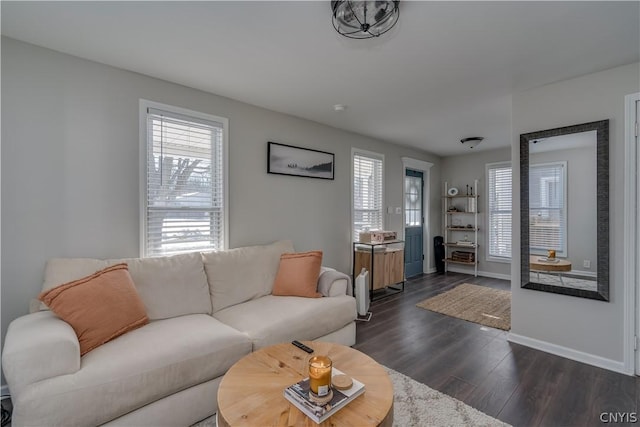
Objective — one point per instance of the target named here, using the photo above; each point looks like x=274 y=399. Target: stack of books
x=463 y=256
x=298 y=394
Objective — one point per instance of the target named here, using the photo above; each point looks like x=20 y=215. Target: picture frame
x=283 y=159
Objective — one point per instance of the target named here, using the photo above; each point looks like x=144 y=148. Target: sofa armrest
x=332 y=283
x=38 y=346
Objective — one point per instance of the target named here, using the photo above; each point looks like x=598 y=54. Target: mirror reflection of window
x=547 y=208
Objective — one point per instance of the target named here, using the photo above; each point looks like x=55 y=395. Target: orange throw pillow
x=99 y=307
x=298 y=275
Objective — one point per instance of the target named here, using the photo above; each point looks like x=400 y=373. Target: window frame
x=144 y=106
x=563 y=252
x=489 y=256
x=376 y=156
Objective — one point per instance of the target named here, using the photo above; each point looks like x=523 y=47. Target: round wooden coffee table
x=538 y=265
x=251 y=392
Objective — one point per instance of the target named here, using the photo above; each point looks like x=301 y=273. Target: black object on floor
x=438 y=250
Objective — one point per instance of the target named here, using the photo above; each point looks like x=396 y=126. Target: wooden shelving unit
x=460 y=214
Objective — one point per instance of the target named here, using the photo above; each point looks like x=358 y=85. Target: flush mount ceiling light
x=364 y=19
x=471 y=142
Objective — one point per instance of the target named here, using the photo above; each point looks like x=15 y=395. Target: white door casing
x=631 y=327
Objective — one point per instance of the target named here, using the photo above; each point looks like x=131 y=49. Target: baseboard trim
x=569 y=353
x=5 y=390
x=481 y=273
x=431 y=270
x=583 y=273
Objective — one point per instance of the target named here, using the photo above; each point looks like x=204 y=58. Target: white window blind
x=547 y=208
x=499 y=210
x=185 y=189
x=368 y=209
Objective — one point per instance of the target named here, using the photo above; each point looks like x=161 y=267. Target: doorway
x=631 y=296
x=636 y=118
x=413 y=222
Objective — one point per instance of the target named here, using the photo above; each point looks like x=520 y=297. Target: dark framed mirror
x=564 y=210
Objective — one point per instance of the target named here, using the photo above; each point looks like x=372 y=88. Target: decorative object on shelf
x=471 y=142
x=364 y=19
x=471 y=204
x=551 y=254
x=380 y=236
x=463 y=256
x=453 y=191
x=285 y=159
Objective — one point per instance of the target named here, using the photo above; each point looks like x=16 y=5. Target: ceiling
x=445 y=72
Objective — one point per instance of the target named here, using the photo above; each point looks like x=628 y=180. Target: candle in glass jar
x=320 y=375
x=551 y=254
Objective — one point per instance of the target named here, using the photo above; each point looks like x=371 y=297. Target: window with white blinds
x=548 y=208
x=368 y=193
x=185 y=190
x=499 y=193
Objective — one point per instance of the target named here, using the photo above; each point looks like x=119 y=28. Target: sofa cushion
x=99 y=307
x=171 y=286
x=135 y=369
x=168 y=286
x=298 y=275
x=62 y=270
x=242 y=274
x=289 y=318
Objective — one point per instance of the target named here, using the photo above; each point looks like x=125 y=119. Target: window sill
x=500 y=260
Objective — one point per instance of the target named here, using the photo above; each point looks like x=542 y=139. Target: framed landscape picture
x=289 y=160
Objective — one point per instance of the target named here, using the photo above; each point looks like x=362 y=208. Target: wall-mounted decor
x=289 y=160
x=569 y=160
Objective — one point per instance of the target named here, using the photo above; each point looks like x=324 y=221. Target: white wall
x=460 y=171
x=70 y=169
x=594 y=328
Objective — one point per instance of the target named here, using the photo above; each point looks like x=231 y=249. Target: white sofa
x=206 y=311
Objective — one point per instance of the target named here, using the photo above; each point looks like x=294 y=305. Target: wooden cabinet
x=388 y=263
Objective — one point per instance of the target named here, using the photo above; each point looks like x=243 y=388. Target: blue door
x=413 y=223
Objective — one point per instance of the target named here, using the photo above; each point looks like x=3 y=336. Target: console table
x=387 y=268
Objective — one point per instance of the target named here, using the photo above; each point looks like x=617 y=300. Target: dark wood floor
x=477 y=365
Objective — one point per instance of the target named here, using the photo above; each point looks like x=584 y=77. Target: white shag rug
x=416 y=405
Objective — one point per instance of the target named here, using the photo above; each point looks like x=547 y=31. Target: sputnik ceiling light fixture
x=364 y=19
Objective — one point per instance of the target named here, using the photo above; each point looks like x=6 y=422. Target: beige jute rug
x=478 y=304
